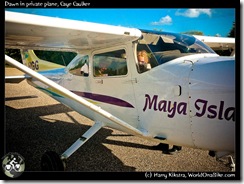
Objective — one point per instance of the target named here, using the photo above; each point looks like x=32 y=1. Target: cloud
x=193 y=13
x=167 y=20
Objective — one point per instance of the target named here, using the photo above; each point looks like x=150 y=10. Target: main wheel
x=51 y=161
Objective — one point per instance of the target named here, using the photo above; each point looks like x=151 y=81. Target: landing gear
x=166 y=150
x=232 y=163
x=51 y=161
x=224 y=155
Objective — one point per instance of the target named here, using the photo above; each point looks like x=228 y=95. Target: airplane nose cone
x=212 y=103
x=211 y=75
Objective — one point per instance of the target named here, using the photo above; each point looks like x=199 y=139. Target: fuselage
x=186 y=99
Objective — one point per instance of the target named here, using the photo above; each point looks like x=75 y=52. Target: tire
x=51 y=161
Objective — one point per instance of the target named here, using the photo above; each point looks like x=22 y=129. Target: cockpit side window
x=110 y=64
x=79 y=65
x=169 y=46
x=145 y=58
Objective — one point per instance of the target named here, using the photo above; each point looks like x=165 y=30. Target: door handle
x=99 y=81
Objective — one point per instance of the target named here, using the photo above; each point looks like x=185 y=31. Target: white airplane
x=164 y=87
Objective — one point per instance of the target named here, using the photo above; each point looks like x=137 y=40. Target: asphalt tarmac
x=35 y=123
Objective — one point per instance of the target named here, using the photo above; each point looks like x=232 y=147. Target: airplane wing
x=26 y=31
x=217 y=43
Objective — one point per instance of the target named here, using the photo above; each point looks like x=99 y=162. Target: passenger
x=84 y=71
x=143 y=61
x=102 y=69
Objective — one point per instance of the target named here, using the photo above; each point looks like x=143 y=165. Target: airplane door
x=111 y=84
x=162 y=97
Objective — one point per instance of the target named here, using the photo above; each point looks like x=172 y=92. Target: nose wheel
x=51 y=161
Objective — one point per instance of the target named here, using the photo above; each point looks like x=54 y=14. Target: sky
x=209 y=21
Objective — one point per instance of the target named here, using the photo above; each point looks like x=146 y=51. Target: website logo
x=13 y=165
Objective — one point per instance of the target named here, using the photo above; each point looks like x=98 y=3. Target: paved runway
x=36 y=123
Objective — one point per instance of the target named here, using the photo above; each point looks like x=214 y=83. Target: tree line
x=62 y=58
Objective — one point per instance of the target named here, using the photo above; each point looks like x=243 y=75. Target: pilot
x=143 y=61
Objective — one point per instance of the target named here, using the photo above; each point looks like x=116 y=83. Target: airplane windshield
x=169 y=46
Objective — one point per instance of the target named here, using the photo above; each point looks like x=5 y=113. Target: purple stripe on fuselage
x=104 y=99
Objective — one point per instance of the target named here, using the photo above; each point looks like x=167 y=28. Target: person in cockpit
x=84 y=70
x=102 y=69
x=143 y=61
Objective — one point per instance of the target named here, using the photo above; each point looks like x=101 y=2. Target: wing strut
x=87 y=135
x=51 y=160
